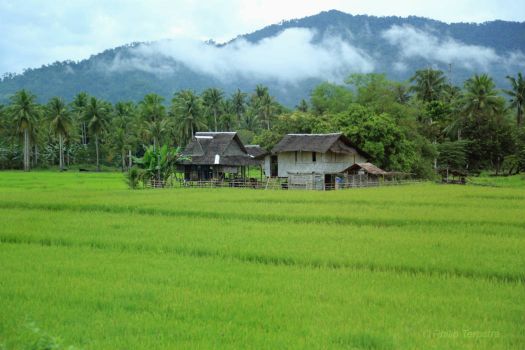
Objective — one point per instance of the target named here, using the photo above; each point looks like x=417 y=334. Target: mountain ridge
x=338 y=43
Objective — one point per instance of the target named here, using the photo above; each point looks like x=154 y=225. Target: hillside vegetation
x=359 y=44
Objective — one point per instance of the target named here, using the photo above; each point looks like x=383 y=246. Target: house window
x=296 y=156
x=314 y=156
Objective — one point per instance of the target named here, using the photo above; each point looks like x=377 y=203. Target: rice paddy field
x=94 y=265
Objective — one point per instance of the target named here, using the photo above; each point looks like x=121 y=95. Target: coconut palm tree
x=261 y=103
x=153 y=113
x=186 y=108
x=250 y=121
x=428 y=84
x=517 y=94
x=302 y=106
x=260 y=91
x=481 y=97
x=211 y=100
x=78 y=107
x=123 y=127
x=24 y=111
x=96 y=114
x=60 y=122
x=267 y=108
x=239 y=103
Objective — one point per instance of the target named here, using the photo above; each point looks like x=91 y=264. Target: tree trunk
x=61 y=151
x=130 y=160
x=36 y=155
x=26 y=149
x=215 y=117
x=96 y=151
x=84 y=134
x=123 y=155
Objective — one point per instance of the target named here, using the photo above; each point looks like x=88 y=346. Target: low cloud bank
x=291 y=56
x=416 y=43
x=297 y=54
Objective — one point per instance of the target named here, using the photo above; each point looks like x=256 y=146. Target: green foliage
x=330 y=98
x=517 y=96
x=377 y=134
x=428 y=84
x=399 y=131
x=133 y=177
x=187 y=109
x=453 y=155
x=158 y=164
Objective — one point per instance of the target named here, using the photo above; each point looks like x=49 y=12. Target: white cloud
x=288 y=57
x=36 y=32
x=416 y=43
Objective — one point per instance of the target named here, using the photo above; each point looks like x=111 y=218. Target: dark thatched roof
x=256 y=151
x=217 y=148
x=321 y=143
x=368 y=167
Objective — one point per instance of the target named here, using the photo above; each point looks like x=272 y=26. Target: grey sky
x=35 y=32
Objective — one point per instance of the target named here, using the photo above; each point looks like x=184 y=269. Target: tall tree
x=186 y=108
x=267 y=109
x=24 y=112
x=481 y=97
x=239 y=103
x=332 y=98
x=123 y=126
x=78 y=107
x=60 y=122
x=211 y=99
x=153 y=113
x=428 y=84
x=517 y=96
x=302 y=106
x=96 y=114
x=485 y=123
x=262 y=104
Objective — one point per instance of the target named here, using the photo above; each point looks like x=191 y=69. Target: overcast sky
x=36 y=32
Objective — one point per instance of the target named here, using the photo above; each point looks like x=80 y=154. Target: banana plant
x=158 y=165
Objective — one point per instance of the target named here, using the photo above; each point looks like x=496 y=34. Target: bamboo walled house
x=313 y=160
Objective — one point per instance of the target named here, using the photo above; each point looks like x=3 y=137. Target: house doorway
x=329 y=181
x=274 y=167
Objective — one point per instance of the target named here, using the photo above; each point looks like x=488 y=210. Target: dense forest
x=290 y=58
x=420 y=126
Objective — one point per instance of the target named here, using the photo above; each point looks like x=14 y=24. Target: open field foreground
x=410 y=267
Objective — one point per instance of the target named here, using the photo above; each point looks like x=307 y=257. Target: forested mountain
x=290 y=58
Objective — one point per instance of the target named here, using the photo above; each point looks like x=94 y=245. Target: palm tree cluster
x=87 y=126
x=476 y=112
x=428 y=109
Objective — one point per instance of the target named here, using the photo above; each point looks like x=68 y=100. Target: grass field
x=411 y=267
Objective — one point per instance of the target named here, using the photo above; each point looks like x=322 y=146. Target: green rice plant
x=408 y=267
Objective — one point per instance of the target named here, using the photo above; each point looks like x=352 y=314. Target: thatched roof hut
x=256 y=151
x=217 y=148
x=216 y=155
x=319 y=143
